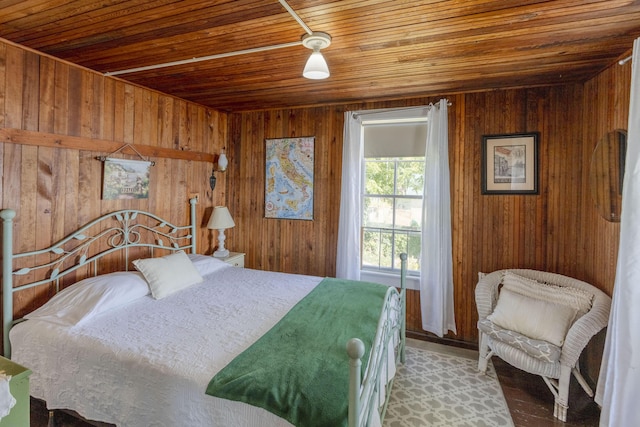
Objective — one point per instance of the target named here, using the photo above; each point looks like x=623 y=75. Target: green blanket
x=299 y=370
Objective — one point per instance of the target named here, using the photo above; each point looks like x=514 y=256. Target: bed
x=124 y=356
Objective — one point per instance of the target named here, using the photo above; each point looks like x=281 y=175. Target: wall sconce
x=222 y=166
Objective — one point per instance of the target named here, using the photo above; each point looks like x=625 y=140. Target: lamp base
x=221 y=254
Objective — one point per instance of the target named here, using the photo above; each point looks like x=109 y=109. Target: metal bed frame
x=124 y=230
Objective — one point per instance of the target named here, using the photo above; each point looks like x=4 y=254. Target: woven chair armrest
x=585 y=328
x=487 y=293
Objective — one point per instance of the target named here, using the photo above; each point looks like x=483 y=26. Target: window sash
x=392 y=264
x=388 y=231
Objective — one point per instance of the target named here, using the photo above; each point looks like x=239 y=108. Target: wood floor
x=529 y=401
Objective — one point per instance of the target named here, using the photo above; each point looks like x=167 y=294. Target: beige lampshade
x=220 y=219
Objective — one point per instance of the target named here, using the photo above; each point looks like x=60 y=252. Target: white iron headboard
x=116 y=231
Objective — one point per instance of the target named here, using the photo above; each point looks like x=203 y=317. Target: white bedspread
x=148 y=364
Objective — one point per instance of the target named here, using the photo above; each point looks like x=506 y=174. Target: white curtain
x=619 y=382
x=348 y=254
x=436 y=272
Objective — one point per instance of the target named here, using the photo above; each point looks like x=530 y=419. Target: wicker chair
x=554 y=363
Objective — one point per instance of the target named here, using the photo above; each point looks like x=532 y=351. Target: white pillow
x=207 y=264
x=168 y=274
x=90 y=297
x=534 y=318
x=573 y=297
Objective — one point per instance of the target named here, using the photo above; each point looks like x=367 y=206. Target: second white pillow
x=168 y=274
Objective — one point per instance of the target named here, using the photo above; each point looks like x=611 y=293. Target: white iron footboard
x=370 y=394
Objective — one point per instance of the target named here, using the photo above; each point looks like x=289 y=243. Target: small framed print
x=510 y=163
x=125 y=179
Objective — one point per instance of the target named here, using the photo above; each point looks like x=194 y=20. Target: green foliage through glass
x=392 y=213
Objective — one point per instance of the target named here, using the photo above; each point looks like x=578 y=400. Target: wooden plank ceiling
x=381 y=49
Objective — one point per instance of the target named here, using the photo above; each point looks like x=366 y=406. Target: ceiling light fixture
x=316 y=67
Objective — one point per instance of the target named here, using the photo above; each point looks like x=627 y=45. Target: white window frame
x=395 y=268
x=388 y=277
x=348 y=256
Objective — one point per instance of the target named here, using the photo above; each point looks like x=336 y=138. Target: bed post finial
x=7 y=216
x=192 y=206
x=403 y=304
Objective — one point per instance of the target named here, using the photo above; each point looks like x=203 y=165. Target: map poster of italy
x=289 y=178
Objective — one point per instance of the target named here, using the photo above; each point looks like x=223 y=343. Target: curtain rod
x=357 y=114
x=625 y=60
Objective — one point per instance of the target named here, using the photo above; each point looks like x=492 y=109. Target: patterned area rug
x=440 y=389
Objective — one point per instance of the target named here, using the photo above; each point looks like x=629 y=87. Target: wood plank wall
x=56 y=190
x=605 y=108
x=551 y=231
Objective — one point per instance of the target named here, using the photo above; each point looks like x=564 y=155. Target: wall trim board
x=43 y=139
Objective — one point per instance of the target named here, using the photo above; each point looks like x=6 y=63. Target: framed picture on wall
x=125 y=179
x=289 y=178
x=510 y=163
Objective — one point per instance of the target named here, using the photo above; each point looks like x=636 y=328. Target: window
x=392 y=196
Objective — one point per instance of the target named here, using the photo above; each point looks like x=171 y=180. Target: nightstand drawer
x=235 y=258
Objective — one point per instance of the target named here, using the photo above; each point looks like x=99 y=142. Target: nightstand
x=19 y=386
x=235 y=258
